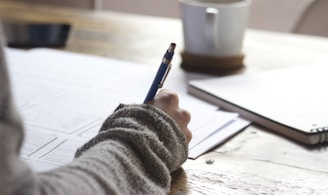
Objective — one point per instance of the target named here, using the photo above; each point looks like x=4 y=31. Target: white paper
x=64 y=98
x=219 y=136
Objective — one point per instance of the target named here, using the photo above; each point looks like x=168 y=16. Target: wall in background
x=85 y=4
x=276 y=15
x=165 y=8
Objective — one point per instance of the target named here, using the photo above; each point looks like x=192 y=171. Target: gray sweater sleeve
x=135 y=151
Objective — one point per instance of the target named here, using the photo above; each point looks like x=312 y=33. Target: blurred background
x=293 y=16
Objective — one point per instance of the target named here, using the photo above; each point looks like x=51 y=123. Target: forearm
x=134 y=153
x=107 y=168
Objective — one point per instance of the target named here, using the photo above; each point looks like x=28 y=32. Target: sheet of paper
x=222 y=134
x=64 y=98
x=212 y=121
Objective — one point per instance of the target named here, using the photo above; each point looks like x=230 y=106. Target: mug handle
x=211 y=30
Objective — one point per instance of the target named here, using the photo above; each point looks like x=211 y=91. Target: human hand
x=168 y=102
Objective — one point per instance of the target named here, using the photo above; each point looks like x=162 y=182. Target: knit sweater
x=135 y=151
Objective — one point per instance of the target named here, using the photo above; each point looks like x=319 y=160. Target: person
x=135 y=151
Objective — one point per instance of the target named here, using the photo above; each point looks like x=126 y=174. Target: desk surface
x=255 y=161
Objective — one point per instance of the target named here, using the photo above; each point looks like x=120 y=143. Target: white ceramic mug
x=214 y=27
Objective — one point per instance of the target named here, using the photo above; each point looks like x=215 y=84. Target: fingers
x=168 y=101
x=185 y=118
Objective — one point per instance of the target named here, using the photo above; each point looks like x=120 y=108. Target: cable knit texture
x=135 y=151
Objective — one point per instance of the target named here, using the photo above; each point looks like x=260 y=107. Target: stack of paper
x=64 y=98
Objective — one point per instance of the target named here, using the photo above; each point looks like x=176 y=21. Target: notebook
x=291 y=101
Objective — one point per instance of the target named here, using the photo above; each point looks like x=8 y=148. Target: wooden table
x=256 y=161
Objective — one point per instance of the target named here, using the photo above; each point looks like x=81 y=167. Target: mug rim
x=215 y=4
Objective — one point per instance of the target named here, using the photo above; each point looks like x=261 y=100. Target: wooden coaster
x=209 y=64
